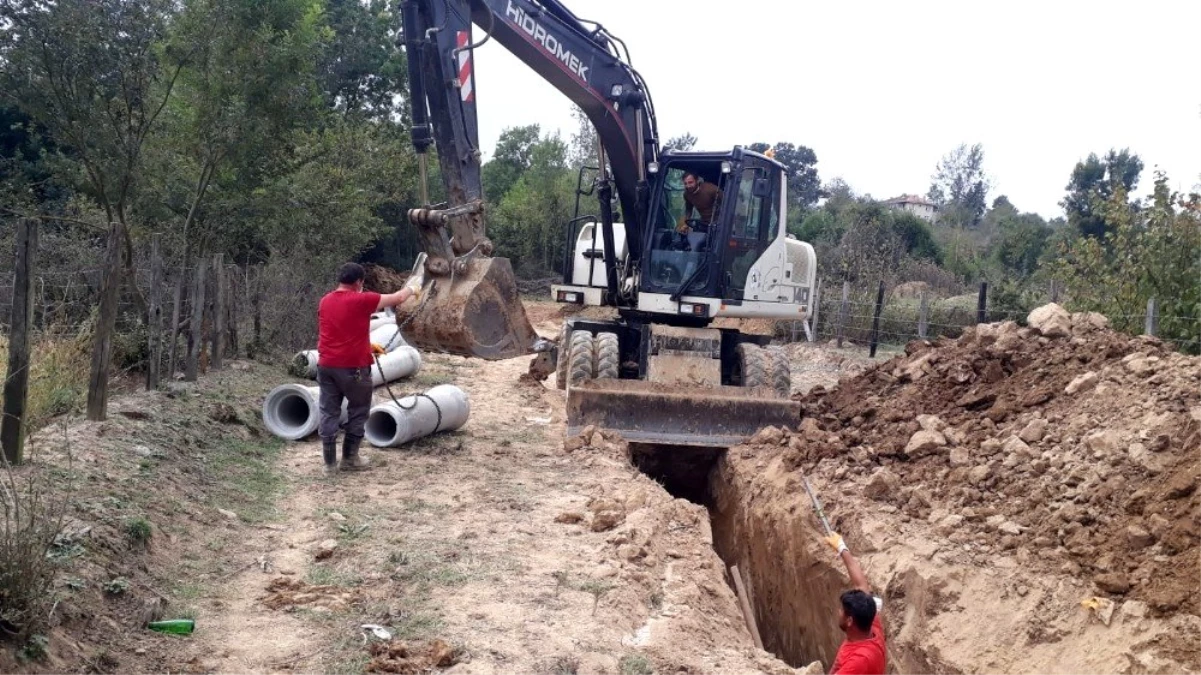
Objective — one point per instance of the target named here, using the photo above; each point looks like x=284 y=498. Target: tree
x=1092 y=185
x=514 y=153
x=89 y=72
x=247 y=81
x=804 y=187
x=363 y=69
x=583 y=150
x=959 y=186
x=1147 y=251
x=681 y=143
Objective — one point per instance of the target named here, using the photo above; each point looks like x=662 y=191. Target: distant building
x=918 y=206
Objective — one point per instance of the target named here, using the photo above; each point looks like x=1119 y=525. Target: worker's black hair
x=689 y=173
x=351 y=273
x=861 y=607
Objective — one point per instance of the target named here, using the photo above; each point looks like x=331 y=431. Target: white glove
x=414 y=285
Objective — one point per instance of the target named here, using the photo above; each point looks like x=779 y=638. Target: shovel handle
x=817 y=505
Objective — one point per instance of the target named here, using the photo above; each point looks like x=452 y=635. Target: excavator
x=661 y=371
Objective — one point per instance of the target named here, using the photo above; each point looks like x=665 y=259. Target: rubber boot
x=329 y=452
x=351 y=460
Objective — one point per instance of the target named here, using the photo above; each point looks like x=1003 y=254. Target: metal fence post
x=876 y=319
x=923 y=316
x=842 y=310
x=817 y=307
x=1151 y=327
x=982 y=303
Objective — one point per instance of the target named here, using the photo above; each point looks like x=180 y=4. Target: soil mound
x=1065 y=443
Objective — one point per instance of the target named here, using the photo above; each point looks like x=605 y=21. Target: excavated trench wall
x=792 y=579
x=790 y=575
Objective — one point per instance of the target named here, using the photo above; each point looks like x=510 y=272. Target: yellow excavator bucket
x=475 y=311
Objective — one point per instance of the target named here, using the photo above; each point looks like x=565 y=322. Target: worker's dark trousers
x=353 y=384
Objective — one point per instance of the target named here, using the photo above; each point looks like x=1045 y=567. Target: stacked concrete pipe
x=392 y=423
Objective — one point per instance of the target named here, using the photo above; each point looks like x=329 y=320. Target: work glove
x=377 y=349
x=835 y=541
x=682 y=227
x=414 y=285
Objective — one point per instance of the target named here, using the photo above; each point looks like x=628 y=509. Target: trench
x=792 y=587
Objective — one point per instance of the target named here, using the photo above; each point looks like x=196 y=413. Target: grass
x=249 y=483
x=634 y=664
x=322 y=575
x=418 y=625
x=58 y=376
x=138 y=531
x=423 y=566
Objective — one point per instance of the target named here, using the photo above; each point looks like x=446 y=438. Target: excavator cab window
x=752 y=226
x=679 y=240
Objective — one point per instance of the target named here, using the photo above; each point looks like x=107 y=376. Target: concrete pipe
x=390 y=425
x=388 y=336
x=291 y=411
x=304 y=364
x=382 y=319
x=404 y=362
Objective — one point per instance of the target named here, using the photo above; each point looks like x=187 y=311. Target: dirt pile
x=1067 y=442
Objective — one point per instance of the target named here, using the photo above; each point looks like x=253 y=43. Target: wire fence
x=906 y=317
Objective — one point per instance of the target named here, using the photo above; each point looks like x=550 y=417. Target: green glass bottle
x=174 y=626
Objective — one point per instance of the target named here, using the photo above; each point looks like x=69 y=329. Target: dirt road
x=520 y=556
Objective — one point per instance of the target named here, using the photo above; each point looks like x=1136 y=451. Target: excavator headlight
x=652 y=167
x=698 y=309
x=726 y=167
x=616 y=91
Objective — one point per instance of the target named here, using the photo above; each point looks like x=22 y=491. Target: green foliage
x=1092 y=186
x=682 y=143
x=116 y=586
x=138 y=531
x=1145 y=252
x=959 y=186
x=634 y=664
x=804 y=187
x=527 y=222
x=34 y=648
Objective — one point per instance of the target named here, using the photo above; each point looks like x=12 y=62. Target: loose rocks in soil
x=1064 y=439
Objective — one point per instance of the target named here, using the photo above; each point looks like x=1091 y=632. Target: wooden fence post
x=923 y=316
x=233 y=315
x=876 y=319
x=1054 y=291
x=154 y=319
x=218 y=311
x=176 y=310
x=16 y=381
x=102 y=343
x=842 y=310
x=817 y=307
x=256 y=301
x=1151 y=326
x=982 y=303
x=192 y=368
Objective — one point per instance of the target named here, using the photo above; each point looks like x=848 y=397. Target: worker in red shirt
x=344 y=359
x=863 y=651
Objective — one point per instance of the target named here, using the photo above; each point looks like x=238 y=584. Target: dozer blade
x=646 y=412
x=475 y=312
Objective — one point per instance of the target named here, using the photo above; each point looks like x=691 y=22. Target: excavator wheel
x=779 y=372
x=581 y=358
x=561 y=361
x=608 y=356
x=752 y=365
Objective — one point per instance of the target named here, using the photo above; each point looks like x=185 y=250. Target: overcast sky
x=881 y=90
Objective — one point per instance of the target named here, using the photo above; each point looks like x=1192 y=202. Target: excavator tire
x=581 y=358
x=608 y=356
x=779 y=372
x=752 y=364
x=561 y=361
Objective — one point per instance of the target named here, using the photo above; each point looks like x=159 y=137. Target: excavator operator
x=705 y=199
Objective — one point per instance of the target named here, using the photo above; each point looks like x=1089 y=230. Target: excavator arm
x=472 y=306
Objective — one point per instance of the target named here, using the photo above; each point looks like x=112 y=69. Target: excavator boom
x=471 y=305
